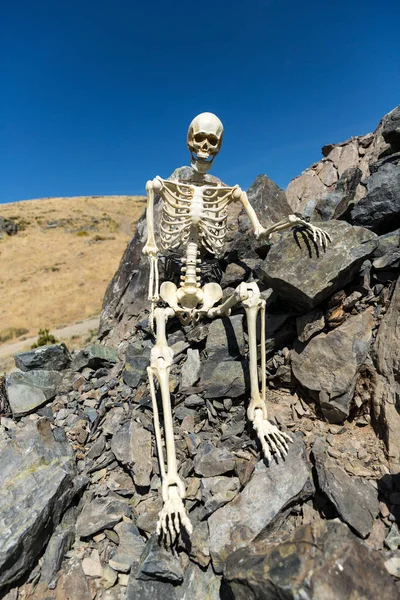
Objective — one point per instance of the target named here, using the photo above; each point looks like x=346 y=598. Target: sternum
x=196 y=205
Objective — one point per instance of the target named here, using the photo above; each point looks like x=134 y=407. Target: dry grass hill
x=55 y=270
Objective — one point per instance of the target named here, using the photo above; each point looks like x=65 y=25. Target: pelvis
x=190 y=302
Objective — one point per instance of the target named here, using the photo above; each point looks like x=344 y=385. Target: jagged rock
x=149 y=590
x=338 y=202
x=55 y=357
x=137 y=359
x=392 y=539
x=310 y=324
x=95 y=357
x=355 y=499
x=158 y=562
x=305 y=276
x=227 y=379
x=391 y=129
x=225 y=339
x=191 y=369
x=379 y=210
x=387 y=253
x=132 y=447
x=211 y=461
x=73 y=582
x=386 y=389
x=234 y=274
x=59 y=543
x=218 y=491
x=130 y=547
x=38 y=481
x=99 y=514
x=8 y=226
x=328 y=366
x=322 y=560
x=28 y=391
x=268 y=492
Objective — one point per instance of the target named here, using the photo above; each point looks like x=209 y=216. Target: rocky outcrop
x=8 y=226
x=336 y=179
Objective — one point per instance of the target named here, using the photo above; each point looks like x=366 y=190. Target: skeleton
x=194 y=215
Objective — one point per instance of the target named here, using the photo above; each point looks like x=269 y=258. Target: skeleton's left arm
x=290 y=221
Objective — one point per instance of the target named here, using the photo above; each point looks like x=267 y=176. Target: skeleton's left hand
x=320 y=236
x=172 y=517
x=272 y=440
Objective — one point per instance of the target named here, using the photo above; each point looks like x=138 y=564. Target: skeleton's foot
x=172 y=517
x=272 y=440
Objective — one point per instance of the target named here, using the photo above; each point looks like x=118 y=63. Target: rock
x=91 y=565
x=391 y=129
x=386 y=388
x=199 y=583
x=225 y=379
x=55 y=357
x=387 y=253
x=218 y=491
x=268 y=492
x=392 y=540
x=73 y=582
x=99 y=514
x=191 y=369
x=8 y=226
x=130 y=547
x=234 y=275
x=158 y=562
x=141 y=455
x=95 y=357
x=149 y=590
x=305 y=276
x=211 y=461
x=137 y=359
x=355 y=499
x=28 y=391
x=38 y=481
x=121 y=444
x=392 y=565
x=199 y=550
x=310 y=324
x=225 y=339
x=338 y=201
x=328 y=366
x=319 y=561
x=59 y=543
x=379 y=210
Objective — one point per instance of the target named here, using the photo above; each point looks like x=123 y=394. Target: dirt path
x=63 y=333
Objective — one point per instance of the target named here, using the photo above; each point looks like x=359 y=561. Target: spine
x=189 y=277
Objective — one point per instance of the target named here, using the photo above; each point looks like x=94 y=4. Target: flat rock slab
x=130 y=547
x=38 y=481
x=28 y=391
x=158 y=562
x=225 y=339
x=54 y=357
x=268 y=492
x=320 y=561
x=224 y=379
x=95 y=357
x=99 y=514
x=304 y=276
x=355 y=499
x=211 y=461
x=137 y=359
x=131 y=445
x=328 y=366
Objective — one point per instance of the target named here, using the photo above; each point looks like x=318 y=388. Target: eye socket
x=199 y=137
x=212 y=139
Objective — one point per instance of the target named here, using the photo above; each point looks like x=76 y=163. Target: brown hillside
x=55 y=271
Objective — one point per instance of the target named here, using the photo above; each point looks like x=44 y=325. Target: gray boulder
x=38 y=481
x=270 y=489
x=54 y=357
x=387 y=254
x=95 y=357
x=379 y=210
x=355 y=499
x=8 y=226
x=137 y=359
x=391 y=129
x=319 y=561
x=304 y=276
x=28 y=391
x=328 y=366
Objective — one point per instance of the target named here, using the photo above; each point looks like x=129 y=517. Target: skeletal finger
x=320 y=237
x=282 y=445
x=286 y=436
x=266 y=451
x=271 y=442
x=186 y=523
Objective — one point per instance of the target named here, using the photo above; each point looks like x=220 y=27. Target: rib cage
x=183 y=207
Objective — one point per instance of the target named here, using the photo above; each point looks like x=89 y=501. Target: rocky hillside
x=50 y=249
x=80 y=491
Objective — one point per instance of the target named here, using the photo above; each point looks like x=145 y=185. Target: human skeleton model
x=194 y=215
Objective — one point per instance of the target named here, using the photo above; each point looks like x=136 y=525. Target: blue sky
x=96 y=96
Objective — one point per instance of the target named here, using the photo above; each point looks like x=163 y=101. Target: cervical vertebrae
x=194 y=215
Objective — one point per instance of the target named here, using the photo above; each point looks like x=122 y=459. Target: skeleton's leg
x=271 y=439
x=173 y=513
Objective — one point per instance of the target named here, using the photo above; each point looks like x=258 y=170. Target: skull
x=204 y=140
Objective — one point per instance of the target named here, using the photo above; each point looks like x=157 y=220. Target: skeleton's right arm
x=151 y=248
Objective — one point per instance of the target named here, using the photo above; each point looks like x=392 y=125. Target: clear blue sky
x=96 y=96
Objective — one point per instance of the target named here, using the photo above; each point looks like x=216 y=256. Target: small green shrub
x=44 y=338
